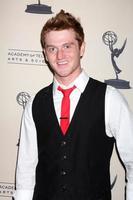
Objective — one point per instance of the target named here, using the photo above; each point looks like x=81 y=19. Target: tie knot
x=66 y=92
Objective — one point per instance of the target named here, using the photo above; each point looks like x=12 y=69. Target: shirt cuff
x=23 y=195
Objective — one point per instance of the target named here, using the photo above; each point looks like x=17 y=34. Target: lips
x=62 y=62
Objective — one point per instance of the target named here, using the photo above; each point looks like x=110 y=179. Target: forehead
x=61 y=36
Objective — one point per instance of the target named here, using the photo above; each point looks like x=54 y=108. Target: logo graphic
x=109 y=39
x=38 y=8
x=25 y=57
x=6 y=189
x=22 y=98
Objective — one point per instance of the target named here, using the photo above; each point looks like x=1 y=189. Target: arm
x=27 y=157
x=119 y=124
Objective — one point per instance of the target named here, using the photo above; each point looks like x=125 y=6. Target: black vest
x=74 y=166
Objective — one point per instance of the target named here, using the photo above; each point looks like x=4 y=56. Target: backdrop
x=23 y=72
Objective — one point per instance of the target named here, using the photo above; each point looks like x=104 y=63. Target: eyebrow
x=49 y=45
x=52 y=45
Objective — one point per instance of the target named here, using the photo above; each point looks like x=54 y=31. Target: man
x=65 y=154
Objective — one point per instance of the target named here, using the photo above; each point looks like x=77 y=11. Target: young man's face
x=63 y=53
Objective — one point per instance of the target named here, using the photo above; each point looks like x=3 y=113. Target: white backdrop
x=22 y=68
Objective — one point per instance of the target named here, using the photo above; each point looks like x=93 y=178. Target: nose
x=60 y=54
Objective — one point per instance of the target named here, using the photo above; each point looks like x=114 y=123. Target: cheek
x=76 y=55
x=49 y=58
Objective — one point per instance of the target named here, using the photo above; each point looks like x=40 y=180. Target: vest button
x=63 y=173
x=63 y=143
x=64 y=157
x=64 y=188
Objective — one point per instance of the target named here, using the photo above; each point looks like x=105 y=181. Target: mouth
x=62 y=62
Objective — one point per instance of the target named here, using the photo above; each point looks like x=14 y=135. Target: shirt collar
x=80 y=82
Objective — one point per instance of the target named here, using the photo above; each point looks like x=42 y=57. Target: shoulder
x=115 y=100
x=42 y=95
x=95 y=81
x=114 y=94
x=97 y=87
x=45 y=90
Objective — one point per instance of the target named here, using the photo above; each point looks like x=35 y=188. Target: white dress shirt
x=118 y=123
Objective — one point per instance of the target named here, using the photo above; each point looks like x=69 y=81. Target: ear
x=45 y=56
x=82 y=49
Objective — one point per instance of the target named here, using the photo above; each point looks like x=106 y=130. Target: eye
x=67 y=46
x=52 y=49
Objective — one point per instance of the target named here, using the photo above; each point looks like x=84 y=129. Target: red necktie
x=65 y=108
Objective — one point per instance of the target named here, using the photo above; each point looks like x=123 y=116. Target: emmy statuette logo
x=38 y=8
x=110 y=38
x=22 y=98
